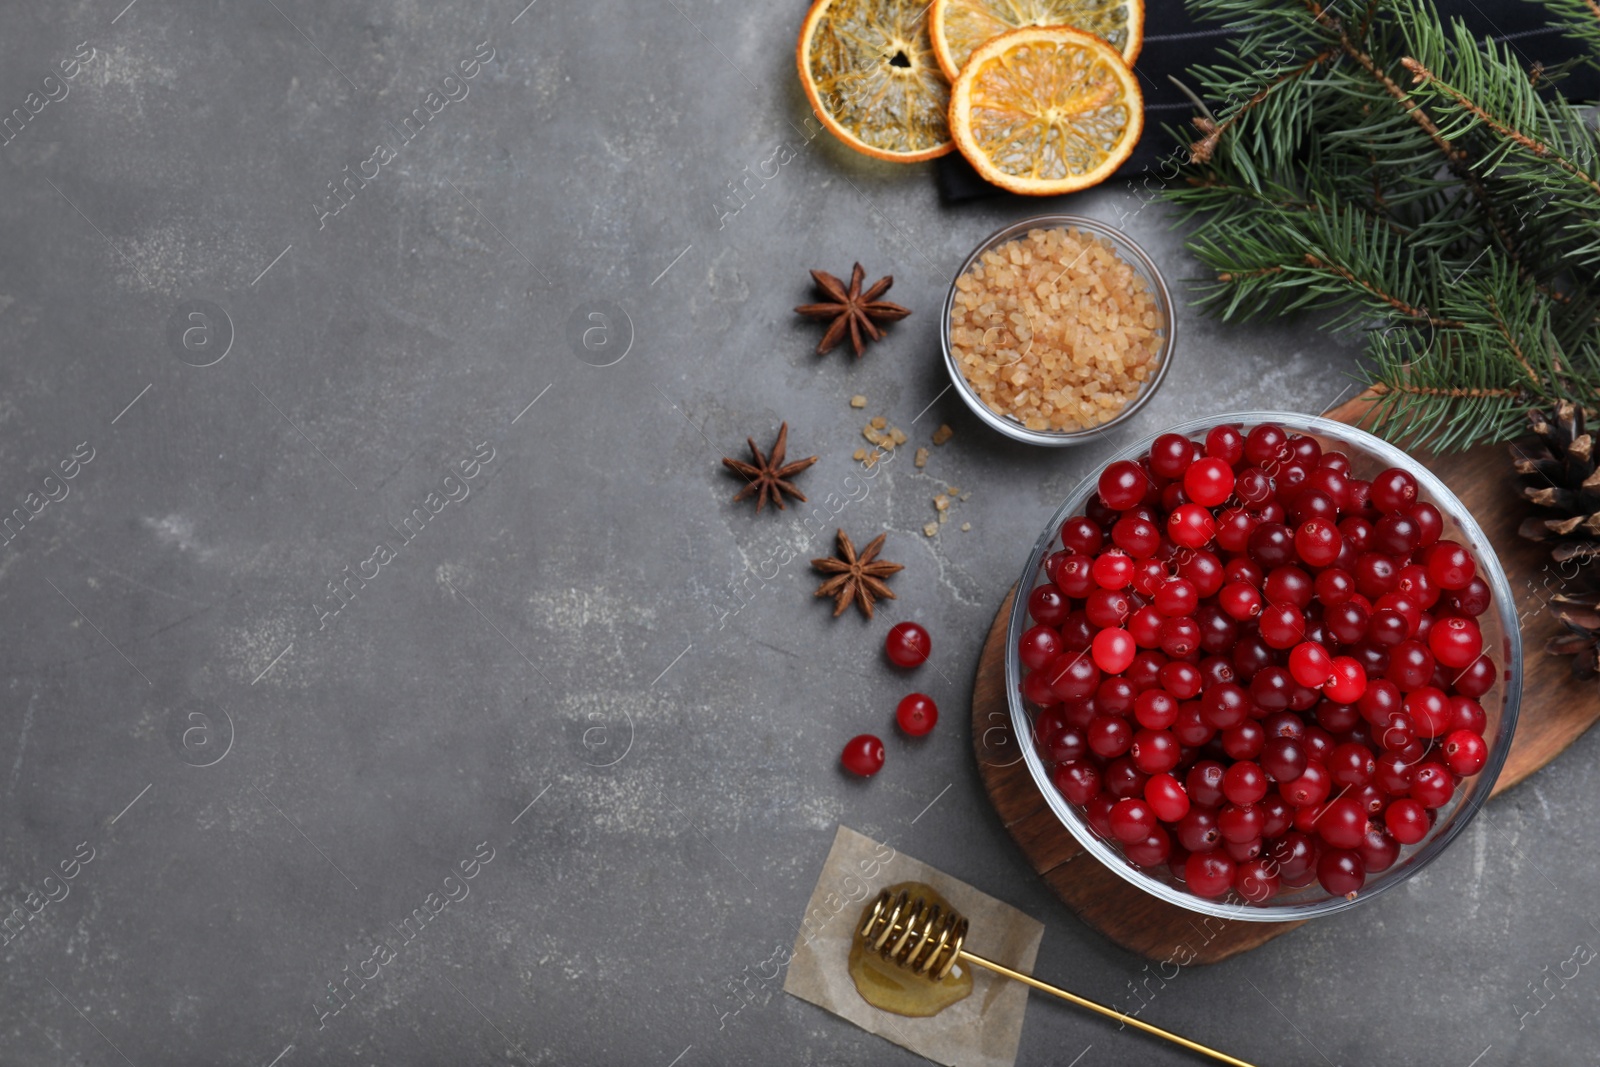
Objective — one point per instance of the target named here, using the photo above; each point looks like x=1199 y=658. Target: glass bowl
x=1501 y=640
x=1142 y=266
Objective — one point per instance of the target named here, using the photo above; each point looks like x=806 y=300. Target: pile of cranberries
x=1255 y=668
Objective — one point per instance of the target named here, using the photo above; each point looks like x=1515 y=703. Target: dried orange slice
x=868 y=67
x=1046 y=110
x=958 y=27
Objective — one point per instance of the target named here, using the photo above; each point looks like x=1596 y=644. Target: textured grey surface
x=558 y=635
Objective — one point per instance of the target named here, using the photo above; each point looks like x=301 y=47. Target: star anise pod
x=858 y=578
x=769 y=476
x=851 y=310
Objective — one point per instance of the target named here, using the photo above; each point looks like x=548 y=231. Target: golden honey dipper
x=927 y=940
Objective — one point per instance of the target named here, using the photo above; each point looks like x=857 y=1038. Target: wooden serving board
x=1556 y=709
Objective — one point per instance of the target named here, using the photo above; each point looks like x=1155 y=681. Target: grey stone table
x=284 y=282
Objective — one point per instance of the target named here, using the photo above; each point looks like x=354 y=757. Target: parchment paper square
x=981 y=1031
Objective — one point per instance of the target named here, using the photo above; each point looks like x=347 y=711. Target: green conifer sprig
x=1434 y=190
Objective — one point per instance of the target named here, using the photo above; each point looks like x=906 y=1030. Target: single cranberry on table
x=916 y=713
x=908 y=644
x=863 y=755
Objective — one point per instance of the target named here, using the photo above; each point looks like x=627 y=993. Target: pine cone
x=1579 y=614
x=1558 y=472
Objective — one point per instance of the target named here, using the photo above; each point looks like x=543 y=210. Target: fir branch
x=1423 y=75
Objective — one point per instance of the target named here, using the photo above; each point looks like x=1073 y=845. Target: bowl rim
x=1511 y=678
x=1126 y=247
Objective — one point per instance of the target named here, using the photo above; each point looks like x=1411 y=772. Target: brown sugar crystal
x=1055 y=330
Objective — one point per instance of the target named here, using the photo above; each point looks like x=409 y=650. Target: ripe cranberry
x=1097 y=511
x=1068 y=745
x=1352 y=765
x=1455 y=641
x=1257 y=880
x=1413 y=581
x=1337 y=718
x=1334 y=586
x=1310 y=788
x=1191 y=526
x=1204 y=570
x=1244 y=783
x=1283 y=758
x=1250 y=656
x=1145 y=670
x=1347 y=622
x=1080 y=535
x=1240 y=823
x=1295 y=855
x=1114 y=696
x=1319 y=745
x=1145 y=626
x=1171 y=454
x=1310 y=664
x=1387 y=627
x=1465 y=752
x=1472 y=600
x=1072 y=676
x=1233 y=527
x=1225 y=443
x=1432 y=785
x=1097 y=813
x=1331 y=482
x=1155 y=709
x=1074 y=575
x=1271 y=689
x=1407 y=820
x=1341 y=872
x=1048 y=604
x=1036 y=689
x=1153 y=851
x=1181 y=679
x=1282 y=625
x=1077 y=632
x=1451 y=566
x=1112 y=570
x=1343 y=823
x=1317 y=540
x=1253 y=486
x=1166 y=797
x=1272 y=545
x=1477 y=678
x=1122 y=485
x=1197 y=831
x=1288 y=585
x=863 y=755
x=1394 y=774
x=1397 y=535
x=916 y=713
x=908 y=644
x=1240 y=601
x=1429 y=521
x=1375 y=574
x=1079 y=782
x=1467 y=714
x=1348 y=680
x=1208 y=481
x=1180 y=636
x=1176 y=596
x=1245 y=741
x=1225 y=705
x=1393 y=490
x=1410 y=665
x=1267 y=444
x=1358 y=497
x=1038 y=646
x=1218 y=632
x=1208 y=874
x=1113 y=650
x=1109 y=736
x=1378 y=850
x=1429 y=711
x=1132 y=820
x=1154 y=751
x=1137 y=536
x=1204 y=783
x=1107 y=607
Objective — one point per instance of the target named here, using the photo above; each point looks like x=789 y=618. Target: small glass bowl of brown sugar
x=1057 y=328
